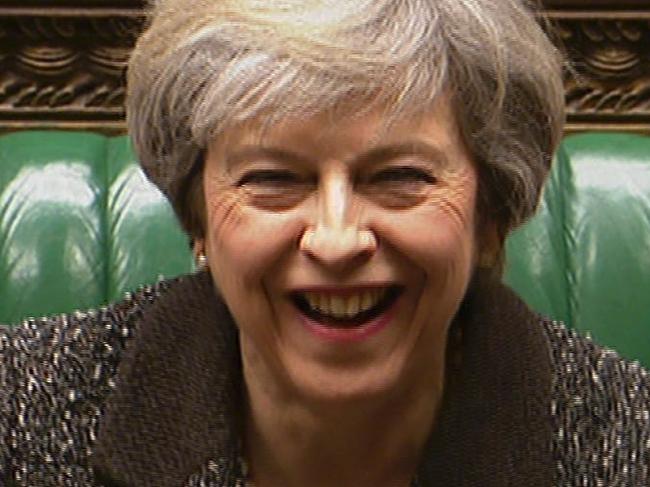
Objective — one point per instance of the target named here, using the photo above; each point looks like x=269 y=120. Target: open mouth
x=349 y=310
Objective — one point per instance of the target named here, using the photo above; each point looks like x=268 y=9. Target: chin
x=327 y=384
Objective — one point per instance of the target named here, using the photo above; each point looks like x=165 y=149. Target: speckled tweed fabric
x=146 y=392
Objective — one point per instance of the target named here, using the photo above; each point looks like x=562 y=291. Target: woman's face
x=343 y=249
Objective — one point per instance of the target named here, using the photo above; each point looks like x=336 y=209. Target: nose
x=335 y=236
x=338 y=248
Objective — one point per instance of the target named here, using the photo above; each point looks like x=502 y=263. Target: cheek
x=243 y=242
x=439 y=235
x=453 y=230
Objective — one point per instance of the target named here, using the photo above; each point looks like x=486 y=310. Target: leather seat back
x=585 y=257
x=80 y=225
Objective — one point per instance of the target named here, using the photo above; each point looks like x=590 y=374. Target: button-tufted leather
x=80 y=225
x=585 y=257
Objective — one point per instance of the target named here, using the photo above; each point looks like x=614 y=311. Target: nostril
x=306 y=240
x=333 y=246
x=367 y=241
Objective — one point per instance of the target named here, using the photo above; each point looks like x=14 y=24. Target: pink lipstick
x=326 y=315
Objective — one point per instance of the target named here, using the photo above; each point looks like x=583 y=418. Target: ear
x=490 y=242
x=198 y=248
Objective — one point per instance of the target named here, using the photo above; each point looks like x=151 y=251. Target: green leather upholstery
x=585 y=257
x=80 y=225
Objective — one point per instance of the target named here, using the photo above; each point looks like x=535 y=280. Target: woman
x=348 y=172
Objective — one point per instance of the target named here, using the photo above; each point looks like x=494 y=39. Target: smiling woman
x=348 y=172
x=330 y=215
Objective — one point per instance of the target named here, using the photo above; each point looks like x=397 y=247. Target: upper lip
x=342 y=290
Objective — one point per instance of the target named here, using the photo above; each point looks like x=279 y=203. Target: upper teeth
x=344 y=306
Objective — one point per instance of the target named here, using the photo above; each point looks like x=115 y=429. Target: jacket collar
x=177 y=392
x=177 y=401
x=495 y=426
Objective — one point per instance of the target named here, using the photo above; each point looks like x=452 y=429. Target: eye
x=399 y=187
x=403 y=174
x=274 y=189
x=268 y=177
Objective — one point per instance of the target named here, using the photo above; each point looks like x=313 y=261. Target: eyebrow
x=251 y=152
x=374 y=155
x=408 y=148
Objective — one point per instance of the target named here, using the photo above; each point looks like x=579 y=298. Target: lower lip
x=353 y=334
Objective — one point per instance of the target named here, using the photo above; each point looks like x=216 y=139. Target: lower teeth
x=340 y=322
x=340 y=319
x=348 y=321
x=345 y=321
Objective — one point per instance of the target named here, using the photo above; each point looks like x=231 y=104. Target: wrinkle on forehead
x=382 y=125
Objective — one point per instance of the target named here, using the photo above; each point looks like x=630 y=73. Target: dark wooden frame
x=62 y=62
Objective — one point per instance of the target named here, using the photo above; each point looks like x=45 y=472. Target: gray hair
x=204 y=66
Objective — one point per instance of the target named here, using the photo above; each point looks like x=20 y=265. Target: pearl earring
x=201 y=262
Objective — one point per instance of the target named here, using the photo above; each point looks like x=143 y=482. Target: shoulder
x=43 y=346
x=601 y=409
x=54 y=369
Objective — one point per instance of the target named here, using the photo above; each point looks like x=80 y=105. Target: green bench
x=80 y=226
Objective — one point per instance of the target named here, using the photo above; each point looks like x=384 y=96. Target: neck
x=375 y=442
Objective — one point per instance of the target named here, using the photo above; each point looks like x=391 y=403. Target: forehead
x=348 y=131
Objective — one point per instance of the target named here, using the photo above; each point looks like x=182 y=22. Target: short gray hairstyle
x=205 y=66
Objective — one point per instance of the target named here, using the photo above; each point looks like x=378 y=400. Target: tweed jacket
x=148 y=392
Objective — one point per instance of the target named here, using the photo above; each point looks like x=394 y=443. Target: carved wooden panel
x=65 y=66
x=608 y=82
x=62 y=62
